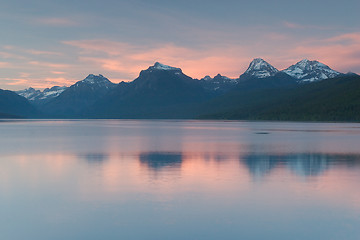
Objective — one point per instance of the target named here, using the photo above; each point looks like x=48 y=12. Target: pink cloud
x=4 y=65
x=123 y=61
x=293 y=25
x=131 y=59
x=57 y=72
x=60 y=81
x=59 y=22
x=297 y=26
x=9 y=55
x=38 y=82
x=15 y=81
x=50 y=64
x=102 y=45
x=37 y=52
x=341 y=52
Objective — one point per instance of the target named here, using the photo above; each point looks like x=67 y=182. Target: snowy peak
x=29 y=93
x=259 y=68
x=218 y=78
x=91 y=79
x=206 y=78
x=310 y=71
x=95 y=80
x=160 y=66
x=219 y=83
x=53 y=92
x=36 y=95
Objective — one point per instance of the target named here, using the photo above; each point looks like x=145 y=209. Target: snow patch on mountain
x=310 y=71
x=259 y=68
x=33 y=95
x=160 y=66
x=95 y=80
x=53 y=92
x=218 y=83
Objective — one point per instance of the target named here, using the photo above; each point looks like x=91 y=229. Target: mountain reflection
x=159 y=160
x=95 y=158
x=302 y=164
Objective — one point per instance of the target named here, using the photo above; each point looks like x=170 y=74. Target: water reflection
x=178 y=180
x=94 y=158
x=301 y=164
x=159 y=160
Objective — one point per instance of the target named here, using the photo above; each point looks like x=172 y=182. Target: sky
x=45 y=43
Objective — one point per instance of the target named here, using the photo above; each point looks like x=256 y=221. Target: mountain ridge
x=163 y=91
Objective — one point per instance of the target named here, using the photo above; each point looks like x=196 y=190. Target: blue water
x=119 y=179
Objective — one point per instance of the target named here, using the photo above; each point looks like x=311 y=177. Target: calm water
x=179 y=180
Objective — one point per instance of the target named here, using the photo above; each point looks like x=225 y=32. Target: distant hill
x=15 y=106
x=336 y=99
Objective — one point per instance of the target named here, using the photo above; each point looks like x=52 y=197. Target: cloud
x=5 y=65
x=28 y=81
x=9 y=55
x=15 y=81
x=38 y=52
x=293 y=25
x=130 y=59
x=297 y=26
x=342 y=51
x=127 y=60
x=57 y=72
x=103 y=46
x=121 y=61
x=50 y=64
x=56 y=22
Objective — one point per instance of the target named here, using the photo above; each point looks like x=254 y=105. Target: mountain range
x=307 y=90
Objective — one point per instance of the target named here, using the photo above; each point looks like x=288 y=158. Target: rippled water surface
x=113 y=179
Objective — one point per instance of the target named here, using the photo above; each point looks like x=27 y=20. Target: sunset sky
x=45 y=43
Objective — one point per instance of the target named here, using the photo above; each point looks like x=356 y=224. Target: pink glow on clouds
x=59 y=22
x=4 y=64
x=37 y=52
x=38 y=82
x=57 y=72
x=131 y=59
x=50 y=65
x=341 y=52
x=102 y=45
x=122 y=61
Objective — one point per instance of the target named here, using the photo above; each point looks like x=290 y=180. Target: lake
x=159 y=179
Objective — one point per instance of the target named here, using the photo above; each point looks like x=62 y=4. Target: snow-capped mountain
x=219 y=83
x=160 y=91
x=30 y=93
x=36 y=95
x=79 y=97
x=95 y=81
x=160 y=76
x=160 y=66
x=218 y=78
x=310 y=71
x=259 y=68
x=53 y=92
